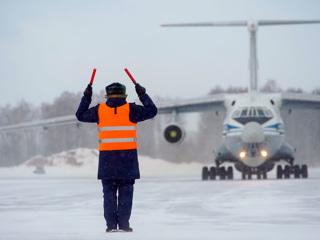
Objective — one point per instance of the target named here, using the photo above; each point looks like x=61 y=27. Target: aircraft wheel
x=287 y=171
x=259 y=175
x=213 y=173
x=249 y=174
x=244 y=173
x=304 y=171
x=264 y=173
x=230 y=173
x=296 y=171
x=279 y=172
x=222 y=173
x=205 y=173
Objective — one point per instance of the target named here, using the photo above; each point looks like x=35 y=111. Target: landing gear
x=205 y=173
x=262 y=173
x=222 y=172
x=247 y=173
x=296 y=170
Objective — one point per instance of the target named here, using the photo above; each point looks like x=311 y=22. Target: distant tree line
x=301 y=126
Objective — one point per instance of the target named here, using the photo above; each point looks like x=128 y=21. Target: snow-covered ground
x=170 y=202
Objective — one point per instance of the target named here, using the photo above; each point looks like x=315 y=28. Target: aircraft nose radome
x=252 y=133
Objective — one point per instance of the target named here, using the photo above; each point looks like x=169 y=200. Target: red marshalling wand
x=130 y=76
x=92 y=77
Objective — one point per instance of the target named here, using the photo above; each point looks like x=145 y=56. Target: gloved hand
x=88 y=91
x=140 y=90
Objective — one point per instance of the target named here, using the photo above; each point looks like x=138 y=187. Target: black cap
x=116 y=89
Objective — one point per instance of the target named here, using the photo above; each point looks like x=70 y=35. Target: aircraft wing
x=301 y=101
x=212 y=102
x=44 y=123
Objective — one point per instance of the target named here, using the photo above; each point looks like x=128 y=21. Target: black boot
x=129 y=229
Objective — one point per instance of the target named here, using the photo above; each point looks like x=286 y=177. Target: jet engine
x=174 y=133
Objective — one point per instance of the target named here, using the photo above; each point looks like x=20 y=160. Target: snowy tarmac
x=44 y=207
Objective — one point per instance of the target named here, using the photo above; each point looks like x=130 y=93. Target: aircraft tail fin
x=252 y=28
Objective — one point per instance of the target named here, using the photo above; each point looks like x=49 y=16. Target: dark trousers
x=117 y=208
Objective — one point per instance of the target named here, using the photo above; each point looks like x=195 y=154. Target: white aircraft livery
x=253 y=135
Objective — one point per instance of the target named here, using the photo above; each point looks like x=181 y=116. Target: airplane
x=253 y=131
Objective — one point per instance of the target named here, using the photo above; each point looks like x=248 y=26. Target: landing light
x=264 y=153
x=242 y=154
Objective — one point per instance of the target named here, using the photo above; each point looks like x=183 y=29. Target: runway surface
x=70 y=208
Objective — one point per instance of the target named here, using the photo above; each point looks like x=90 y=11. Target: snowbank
x=83 y=162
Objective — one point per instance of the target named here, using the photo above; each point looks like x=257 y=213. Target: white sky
x=48 y=47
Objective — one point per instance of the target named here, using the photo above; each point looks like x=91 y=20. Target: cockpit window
x=248 y=114
x=260 y=112
x=244 y=112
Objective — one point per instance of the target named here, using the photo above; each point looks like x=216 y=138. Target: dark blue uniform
x=118 y=169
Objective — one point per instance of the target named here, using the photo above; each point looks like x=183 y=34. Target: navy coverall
x=118 y=169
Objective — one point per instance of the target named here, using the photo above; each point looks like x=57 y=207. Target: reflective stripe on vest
x=116 y=131
x=116 y=128
x=117 y=140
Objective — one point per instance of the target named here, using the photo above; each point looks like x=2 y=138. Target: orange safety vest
x=116 y=131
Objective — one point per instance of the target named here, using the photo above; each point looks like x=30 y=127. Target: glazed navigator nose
x=252 y=133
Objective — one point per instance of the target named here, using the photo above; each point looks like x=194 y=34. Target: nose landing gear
x=248 y=172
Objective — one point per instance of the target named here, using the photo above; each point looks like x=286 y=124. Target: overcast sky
x=48 y=47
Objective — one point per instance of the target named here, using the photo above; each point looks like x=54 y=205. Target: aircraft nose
x=252 y=133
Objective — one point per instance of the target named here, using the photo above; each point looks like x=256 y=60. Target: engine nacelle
x=174 y=133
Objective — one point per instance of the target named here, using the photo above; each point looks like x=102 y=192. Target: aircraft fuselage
x=253 y=129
